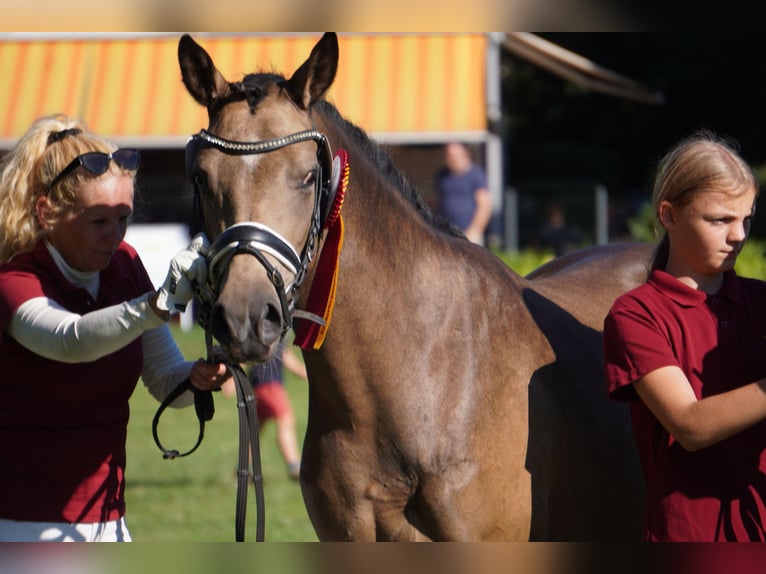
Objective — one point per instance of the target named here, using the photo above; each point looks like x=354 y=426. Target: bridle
x=258 y=239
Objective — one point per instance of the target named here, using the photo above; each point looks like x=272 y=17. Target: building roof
x=397 y=87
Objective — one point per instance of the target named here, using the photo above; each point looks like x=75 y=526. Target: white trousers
x=19 y=531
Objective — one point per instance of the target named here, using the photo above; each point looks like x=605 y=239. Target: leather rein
x=258 y=240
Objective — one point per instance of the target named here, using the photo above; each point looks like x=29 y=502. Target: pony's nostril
x=219 y=327
x=226 y=328
x=269 y=324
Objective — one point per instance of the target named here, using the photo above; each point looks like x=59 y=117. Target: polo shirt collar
x=687 y=296
x=731 y=287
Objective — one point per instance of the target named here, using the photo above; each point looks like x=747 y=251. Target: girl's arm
x=699 y=423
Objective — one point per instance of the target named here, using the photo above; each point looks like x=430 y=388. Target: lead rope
x=248 y=440
x=204 y=407
x=248 y=443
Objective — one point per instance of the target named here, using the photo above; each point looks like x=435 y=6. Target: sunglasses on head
x=97 y=162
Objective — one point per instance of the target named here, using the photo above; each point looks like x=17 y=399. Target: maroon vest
x=63 y=425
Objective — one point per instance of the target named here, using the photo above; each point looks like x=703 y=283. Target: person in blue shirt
x=464 y=199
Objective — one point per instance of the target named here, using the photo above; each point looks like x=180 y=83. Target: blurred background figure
x=272 y=402
x=556 y=234
x=462 y=192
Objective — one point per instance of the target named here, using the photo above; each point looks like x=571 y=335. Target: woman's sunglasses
x=97 y=162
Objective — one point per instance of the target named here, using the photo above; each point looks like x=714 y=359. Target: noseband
x=258 y=239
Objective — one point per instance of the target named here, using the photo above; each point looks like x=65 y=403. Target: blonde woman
x=80 y=323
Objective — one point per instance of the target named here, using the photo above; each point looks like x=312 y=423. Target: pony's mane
x=390 y=171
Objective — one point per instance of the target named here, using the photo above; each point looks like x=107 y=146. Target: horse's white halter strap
x=289 y=263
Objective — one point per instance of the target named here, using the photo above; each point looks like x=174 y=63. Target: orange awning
x=398 y=87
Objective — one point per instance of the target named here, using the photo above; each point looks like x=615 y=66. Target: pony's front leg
x=346 y=503
x=360 y=516
x=334 y=496
x=335 y=522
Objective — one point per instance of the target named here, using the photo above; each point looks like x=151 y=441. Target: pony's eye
x=200 y=179
x=310 y=178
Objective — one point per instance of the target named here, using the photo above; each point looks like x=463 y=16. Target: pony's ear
x=310 y=82
x=200 y=76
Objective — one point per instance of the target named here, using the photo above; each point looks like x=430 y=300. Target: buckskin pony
x=449 y=397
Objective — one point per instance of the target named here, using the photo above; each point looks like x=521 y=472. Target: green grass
x=192 y=499
x=526 y=260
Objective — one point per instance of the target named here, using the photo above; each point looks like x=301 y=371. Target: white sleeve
x=164 y=366
x=45 y=327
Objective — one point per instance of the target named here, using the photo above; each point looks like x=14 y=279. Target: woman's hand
x=187 y=275
x=209 y=376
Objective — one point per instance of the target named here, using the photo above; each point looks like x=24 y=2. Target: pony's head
x=263 y=179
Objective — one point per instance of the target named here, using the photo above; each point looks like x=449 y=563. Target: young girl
x=688 y=349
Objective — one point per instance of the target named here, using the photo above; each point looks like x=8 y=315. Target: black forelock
x=252 y=88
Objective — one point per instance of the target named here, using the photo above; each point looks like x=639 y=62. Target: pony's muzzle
x=248 y=337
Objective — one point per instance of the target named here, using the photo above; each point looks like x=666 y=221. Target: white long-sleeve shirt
x=45 y=327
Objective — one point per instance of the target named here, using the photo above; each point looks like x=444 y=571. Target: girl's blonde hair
x=700 y=163
x=29 y=168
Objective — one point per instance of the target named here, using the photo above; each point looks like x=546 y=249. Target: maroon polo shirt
x=719 y=342
x=63 y=426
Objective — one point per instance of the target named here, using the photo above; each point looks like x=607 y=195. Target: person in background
x=80 y=322
x=687 y=349
x=273 y=403
x=556 y=234
x=464 y=199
